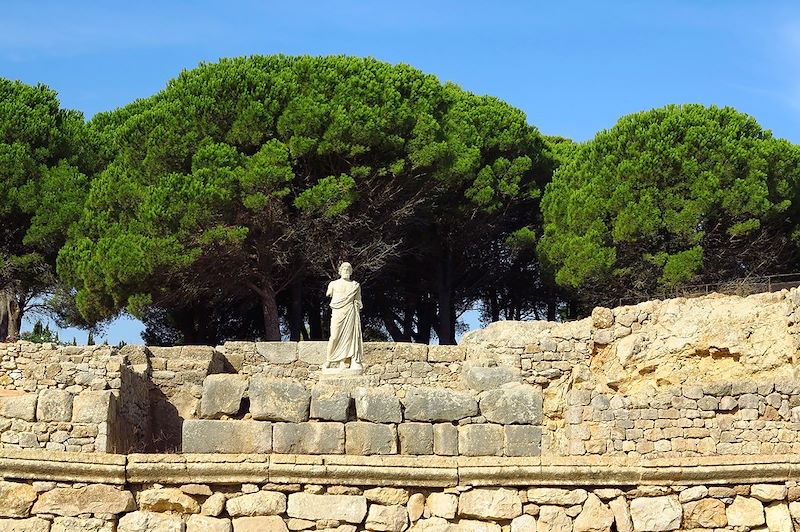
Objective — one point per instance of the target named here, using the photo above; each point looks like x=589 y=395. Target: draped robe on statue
x=345 y=341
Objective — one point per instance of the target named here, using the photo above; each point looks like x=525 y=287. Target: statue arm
x=329 y=293
x=359 y=304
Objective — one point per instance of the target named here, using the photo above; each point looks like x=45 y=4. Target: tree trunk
x=444 y=285
x=551 y=307
x=10 y=314
x=295 y=311
x=269 y=309
x=315 y=319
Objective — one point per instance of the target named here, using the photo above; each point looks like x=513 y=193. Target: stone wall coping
x=392 y=470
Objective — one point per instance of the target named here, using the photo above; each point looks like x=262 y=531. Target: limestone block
x=622 y=514
x=259 y=503
x=362 y=438
x=94 y=498
x=92 y=406
x=312 y=353
x=655 y=514
x=415 y=438
x=445 y=439
x=18 y=407
x=214 y=505
x=226 y=436
x=438 y=404
x=483 y=439
x=54 y=405
x=150 y=522
x=602 y=317
x=34 y=524
x=488 y=503
x=387 y=518
x=329 y=403
x=387 y=496
x=415 y=506
x=778 y=518
x=377 y=405
x=512 y=403
x=16 y=499
x=745 y=511
x=204 y=523
x=347 y=508
x=553 y=519
x=222 y=394
x=446 y=353
x=308 y=438
x=278 y=400
x=480 y=378
x=442 y=505
x=271 y=523
x=523 y=523
x=768 y=492
x=595 y=516
x=277 y=352
x=522 y=440
x=693 y=493
x=81 y=524
x=167 y=500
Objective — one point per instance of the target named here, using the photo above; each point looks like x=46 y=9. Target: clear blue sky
x=574 y=67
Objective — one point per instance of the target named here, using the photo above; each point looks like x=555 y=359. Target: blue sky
x=574 y=67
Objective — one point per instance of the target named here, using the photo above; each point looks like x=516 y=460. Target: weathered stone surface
x=214 y=505
x=778 y=518
x=438 y=404
x=654 y=514
x=362 y=438
x=482 y=378
x=522 y=440
x=557 y=496
x=308 y=438
x=54 y=405
x=204 y=523
x=312 y=353
x=553 y=519
x=415 y=506
x=523 y=523
x=745 y=511
x=260 y=503
x=387 y=518
x=693 y=493
x=705 y=513
x=347 y=508
x=94 y=498
x=622 y=514
x=768 y=492
x=471 y=525
x=330 y=404
x=33 y=524
x=150 y=522
x=271 y=523
x=445 y=439
x=277 y=352
x=415 y=438
x=16 y=499
x=485 y=439
x=512 y=403
x=278 y=400
x=81 y=524
x=167 y=500
x=487 y=503
x=442 y=505
x=18 y=407
x=222 y=394
x=387 y=496
x=445 y=353
x=226 y=436
x=94 y=406
x=377 y=405
x=595 y=516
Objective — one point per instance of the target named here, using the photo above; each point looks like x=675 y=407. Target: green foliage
x=670 y=196
x=40 y=334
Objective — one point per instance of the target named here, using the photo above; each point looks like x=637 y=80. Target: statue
x=345 y=346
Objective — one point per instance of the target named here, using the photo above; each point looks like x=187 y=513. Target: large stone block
x=16 y=499
x=442 y=505
x=204 y=523
x=91 y=499
x=150 y=522
x=222 y=394
x=387 y=518
x=228 y=436
x=446 y=353
x=387 y=496
x=656 y=514
x=445 y=439
x=279 y=400
x=330 y=404
x=438 y=404
x=277 y=352
x=18 y=407
x=489 y=503
x=595 y=517
x=523 y=440
x=415 y=438
x=347 y=508
x=482 y=378
x=34 y=524
x=382 y=352
x=168 y=500
x=54 y=405
x=92 y=406
x=512 y=403
x=362 y=438
x=483 y=439
x=81 y=524
x=308 y=438
x=269 y=523
x=312 y=353
x=259 y=503
x=377 y=405
x=705 y=513
x=745 y=512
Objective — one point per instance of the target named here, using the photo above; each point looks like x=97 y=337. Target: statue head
x=346 y=270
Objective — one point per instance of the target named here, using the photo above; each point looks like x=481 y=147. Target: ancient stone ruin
x=667 y=415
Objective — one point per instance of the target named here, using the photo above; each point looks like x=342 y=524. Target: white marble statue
x=345 y=346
